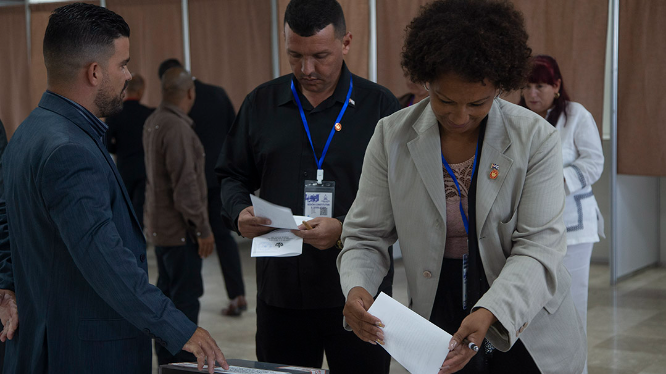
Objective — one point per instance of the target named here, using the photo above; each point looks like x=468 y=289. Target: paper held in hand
x=281 y=242
x=416 y=343
x=281 y=217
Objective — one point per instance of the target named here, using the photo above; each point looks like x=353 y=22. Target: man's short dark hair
x=308 y=17
x=168 y=64
x=79 y=34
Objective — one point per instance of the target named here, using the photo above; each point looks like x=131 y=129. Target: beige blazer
x=520 y=229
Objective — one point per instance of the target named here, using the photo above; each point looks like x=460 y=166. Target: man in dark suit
x=4 y=244
x=78 y=261
x=123 y=138
x=213 y=115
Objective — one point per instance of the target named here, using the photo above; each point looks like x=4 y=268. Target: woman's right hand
x=472 y=329
x=365 y=325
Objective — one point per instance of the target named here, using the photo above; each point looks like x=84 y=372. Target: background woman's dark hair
x=476 y=39
x=544 y=69
x=308 y=17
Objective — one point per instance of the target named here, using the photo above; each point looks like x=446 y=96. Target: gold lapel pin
x=338 y=126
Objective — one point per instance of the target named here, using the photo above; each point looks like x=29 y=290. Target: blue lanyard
x=455 y=180
x=320 y=161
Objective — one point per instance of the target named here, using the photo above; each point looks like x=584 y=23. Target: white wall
x=638 y=222
x=645 y=226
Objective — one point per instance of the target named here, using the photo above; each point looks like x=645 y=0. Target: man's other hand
x=8 y=315
x=324 y=234
x=204 y=347
x=250 y=226
x=206 y=245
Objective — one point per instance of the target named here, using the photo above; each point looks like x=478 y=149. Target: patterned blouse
x=456 y=237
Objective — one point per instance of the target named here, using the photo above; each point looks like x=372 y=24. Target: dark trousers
x=300 y=337
x=448 y=315
x=226 y=247
x=179 y=278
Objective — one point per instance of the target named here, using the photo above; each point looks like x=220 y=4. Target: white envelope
x=416 y=343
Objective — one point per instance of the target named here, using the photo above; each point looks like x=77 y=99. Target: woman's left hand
x=473 y=329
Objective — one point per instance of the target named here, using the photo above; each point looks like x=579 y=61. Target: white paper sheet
x=279 y=243
x=412 y=340
x=281 y=217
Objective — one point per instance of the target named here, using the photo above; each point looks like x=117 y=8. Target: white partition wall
x=636 y=208
x=638 y=214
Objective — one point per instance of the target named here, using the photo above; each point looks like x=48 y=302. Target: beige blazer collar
x=425 y=150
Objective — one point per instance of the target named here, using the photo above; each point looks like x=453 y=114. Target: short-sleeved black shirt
x=267 y=148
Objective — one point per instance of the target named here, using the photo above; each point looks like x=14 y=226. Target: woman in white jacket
x=583 y=163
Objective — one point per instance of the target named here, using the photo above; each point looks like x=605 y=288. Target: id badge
x=319 y=199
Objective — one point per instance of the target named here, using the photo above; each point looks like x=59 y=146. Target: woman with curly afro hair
x=473 y=187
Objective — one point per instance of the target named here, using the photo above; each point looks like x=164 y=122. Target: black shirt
x=268 y=148
x=123 y=138
x=213 y=115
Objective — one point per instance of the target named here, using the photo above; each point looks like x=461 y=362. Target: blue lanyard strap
x=455 y=180
x=320 y=161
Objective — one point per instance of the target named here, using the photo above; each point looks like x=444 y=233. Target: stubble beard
x=107 y=103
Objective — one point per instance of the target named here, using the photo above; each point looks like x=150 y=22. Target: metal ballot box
x=242 y=367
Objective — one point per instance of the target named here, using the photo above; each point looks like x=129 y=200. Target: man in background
x=123 y=139
x=4 y=243
x=176 y=217
x=77 y=259
x=213 y=115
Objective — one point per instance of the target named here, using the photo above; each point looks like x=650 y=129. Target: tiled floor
x=626 y=323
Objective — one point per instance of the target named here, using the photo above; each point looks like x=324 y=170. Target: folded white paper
x=416 y=343
x=281 y=217
x=279 y=243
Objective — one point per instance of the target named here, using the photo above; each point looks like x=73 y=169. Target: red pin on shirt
x=494 y=172
x=338 y=126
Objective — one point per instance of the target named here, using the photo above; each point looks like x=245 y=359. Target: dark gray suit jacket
x=78 y=257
